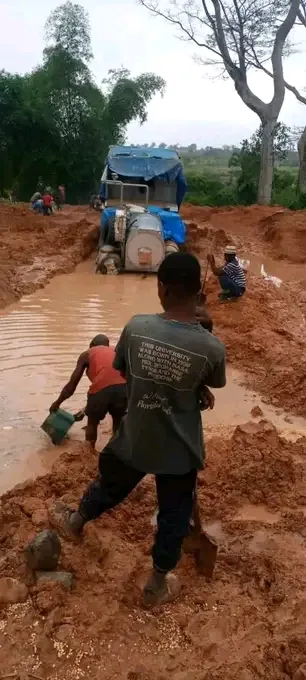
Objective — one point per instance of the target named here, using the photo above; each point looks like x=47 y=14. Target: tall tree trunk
x=302 y=162
x=266 y=163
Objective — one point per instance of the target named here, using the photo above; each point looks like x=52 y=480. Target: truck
x=141 y=192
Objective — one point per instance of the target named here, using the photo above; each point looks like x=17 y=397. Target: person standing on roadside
x=62 y=196
x=169 y=361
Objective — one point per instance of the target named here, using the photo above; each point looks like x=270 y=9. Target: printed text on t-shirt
x=165 y=364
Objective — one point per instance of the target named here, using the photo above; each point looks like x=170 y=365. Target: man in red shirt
x=107 y=393
x=47 y=203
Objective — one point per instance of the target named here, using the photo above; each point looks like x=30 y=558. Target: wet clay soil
x=33 y=248
x=264 y=331
x=41 y=338
x=249 y=622
x=276 y=232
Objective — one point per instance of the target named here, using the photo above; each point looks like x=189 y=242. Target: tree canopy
x=239 y=35
x=56 y=123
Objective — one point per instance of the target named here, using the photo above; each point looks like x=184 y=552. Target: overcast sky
x=196 y=108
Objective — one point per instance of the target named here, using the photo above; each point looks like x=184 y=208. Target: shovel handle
x=196 y=511
x=204 y=281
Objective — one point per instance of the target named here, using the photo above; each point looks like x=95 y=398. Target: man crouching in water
x=168 y=360
x=107 y=393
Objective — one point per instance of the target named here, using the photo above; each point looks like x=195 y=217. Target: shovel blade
x=205 y=549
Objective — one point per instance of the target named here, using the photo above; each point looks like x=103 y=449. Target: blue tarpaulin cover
x=173 y=226
x=147 y=163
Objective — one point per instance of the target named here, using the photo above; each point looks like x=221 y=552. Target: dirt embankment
x=35 y=248
x=278 y=233
x=264 y=332
x=248 y=623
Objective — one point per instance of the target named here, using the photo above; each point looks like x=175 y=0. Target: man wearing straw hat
x=231 y=275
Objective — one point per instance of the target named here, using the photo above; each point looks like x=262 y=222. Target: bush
x=207 y=189
x=212 y=190
x=285 y=189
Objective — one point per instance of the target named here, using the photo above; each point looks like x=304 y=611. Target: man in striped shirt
x=231 y=275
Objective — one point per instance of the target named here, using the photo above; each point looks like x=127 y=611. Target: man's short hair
x=99 y=340
x=181 y=272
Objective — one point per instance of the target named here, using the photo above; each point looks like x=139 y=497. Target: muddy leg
x=175 y=502
x=114 y=483
x=91 y=433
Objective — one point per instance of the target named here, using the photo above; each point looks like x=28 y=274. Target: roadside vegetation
x=230 y=176
x=56 y=123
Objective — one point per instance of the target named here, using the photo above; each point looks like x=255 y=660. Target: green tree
x=248 y=160
x=68 y=28
x=12 y=121
x=126 y=99
x=56 y=122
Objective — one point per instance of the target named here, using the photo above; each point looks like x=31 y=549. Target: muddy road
x=249 y=622
x=41 y=337
x=34 y=248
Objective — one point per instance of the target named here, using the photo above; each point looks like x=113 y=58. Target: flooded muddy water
x=41 y=338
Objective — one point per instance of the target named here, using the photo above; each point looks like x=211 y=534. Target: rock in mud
x=64 y=578
x=43 y=552
x=300 y=673
x=256 y=412
x=12 y=591
x=264 y=429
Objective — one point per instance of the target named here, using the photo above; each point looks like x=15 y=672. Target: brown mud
x=264 y=331
x=34 y=248
x=278 y=232
x=249 y=622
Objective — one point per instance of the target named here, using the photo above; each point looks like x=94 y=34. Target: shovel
x=202 y=296
x=200 y=544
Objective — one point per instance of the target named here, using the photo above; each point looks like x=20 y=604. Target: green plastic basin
x=57 y=425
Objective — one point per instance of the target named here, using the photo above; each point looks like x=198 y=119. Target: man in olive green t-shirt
x=168 y=361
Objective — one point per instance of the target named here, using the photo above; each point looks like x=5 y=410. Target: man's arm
x=120 y=361
x=69 y=389
x=217 y=271
x=216 y=376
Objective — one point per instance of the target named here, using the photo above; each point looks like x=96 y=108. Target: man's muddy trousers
x=175 y=499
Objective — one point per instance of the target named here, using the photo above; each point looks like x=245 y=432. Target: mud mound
x=285 y=233
x=204 y=238
x=248 y=623
x=266 y=230
x=257 y=466
x=264 y=336
x=233 y=219
x=263 y=331
x=33 y=248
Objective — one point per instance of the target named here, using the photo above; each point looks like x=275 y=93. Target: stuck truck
x=141 y=192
